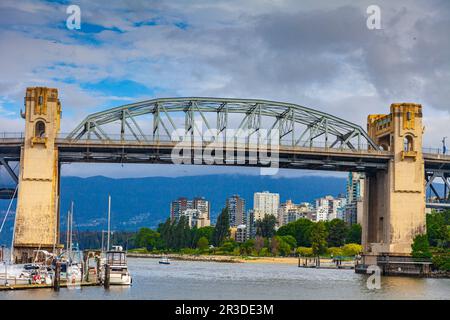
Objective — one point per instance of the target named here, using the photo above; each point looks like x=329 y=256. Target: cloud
x=314 y=53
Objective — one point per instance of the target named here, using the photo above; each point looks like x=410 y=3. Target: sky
x=318 y=54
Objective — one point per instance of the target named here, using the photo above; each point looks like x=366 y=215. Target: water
x=207 y=280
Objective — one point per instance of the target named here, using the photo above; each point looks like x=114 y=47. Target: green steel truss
x=297 y=125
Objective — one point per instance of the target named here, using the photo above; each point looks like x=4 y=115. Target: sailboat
x=116 y=259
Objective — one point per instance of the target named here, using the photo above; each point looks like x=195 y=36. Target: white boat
x=14 y=275
x=116 y=259
x=164 y=260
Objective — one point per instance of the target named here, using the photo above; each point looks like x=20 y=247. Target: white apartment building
x=329 y=208
x=265 y=203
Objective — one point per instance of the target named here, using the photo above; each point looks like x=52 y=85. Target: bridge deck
x=317 y=158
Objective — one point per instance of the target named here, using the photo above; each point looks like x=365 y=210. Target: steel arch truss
x=440 y=194
x=296 y=125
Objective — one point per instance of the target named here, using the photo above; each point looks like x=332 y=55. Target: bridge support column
x=37 y=216
x=395 y=199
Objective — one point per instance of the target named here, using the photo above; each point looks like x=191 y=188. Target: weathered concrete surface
x=37 y=221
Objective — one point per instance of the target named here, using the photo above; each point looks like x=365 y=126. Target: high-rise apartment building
x=290 y=212
x=199 y=204
x=236 y=210
x=265 y=203
x=329 y=208
x=354 y=196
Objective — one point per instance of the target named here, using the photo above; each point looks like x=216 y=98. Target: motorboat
x=116 y=261
x=164 y=260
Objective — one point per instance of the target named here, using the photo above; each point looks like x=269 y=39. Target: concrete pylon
x=37 y=214
x=395 y=199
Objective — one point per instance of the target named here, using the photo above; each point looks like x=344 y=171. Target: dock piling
x=57 y=279
x=107 y=276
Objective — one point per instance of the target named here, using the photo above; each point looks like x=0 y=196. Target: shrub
x=304 y=252
x=442 y=261
x=351 y=249
x=335 y=251
x=264 y=252
x=421 y=247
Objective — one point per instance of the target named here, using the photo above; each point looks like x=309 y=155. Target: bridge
x=217 y=131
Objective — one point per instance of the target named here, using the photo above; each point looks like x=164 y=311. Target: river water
x=209 y=280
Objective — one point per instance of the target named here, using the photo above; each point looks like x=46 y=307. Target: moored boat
x=116 y=260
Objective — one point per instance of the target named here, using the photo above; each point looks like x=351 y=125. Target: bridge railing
x=12 y=135
x=434 y=151
x=237 y=141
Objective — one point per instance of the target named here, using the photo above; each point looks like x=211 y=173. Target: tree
x=275 y=245
x=337 y=233
x=318 y=238
x=259 y=243
x=266 y=227
x=421 y=247
x=206 y=232
x=304 y=252
x=202 y=243
x=290 y=240
x=222 y=228
x=247 y=247
x=147 y=238
x=437 y=229
x=284 y=248
x=354 y=234
x=299 y=229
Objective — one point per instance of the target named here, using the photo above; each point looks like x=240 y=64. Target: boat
x=116 y=260
x=164 y=260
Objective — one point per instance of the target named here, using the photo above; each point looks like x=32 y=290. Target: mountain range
x=138 y=202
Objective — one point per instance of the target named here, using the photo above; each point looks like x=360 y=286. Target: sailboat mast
x=71 y=227
x=68 y=231
x=109 y=222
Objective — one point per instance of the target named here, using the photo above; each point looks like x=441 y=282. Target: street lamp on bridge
x=444 y=148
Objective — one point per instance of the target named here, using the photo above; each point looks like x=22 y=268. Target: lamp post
x=444 y=148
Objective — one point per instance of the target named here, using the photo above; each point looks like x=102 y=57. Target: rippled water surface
x=208 y=280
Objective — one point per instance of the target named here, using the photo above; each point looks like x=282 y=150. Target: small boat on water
x=116 y=259
x=164 y=260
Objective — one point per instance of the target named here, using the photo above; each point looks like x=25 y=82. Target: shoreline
x=219 y=258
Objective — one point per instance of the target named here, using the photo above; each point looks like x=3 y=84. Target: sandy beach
x=221 y=258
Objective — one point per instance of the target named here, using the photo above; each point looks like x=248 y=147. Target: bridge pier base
x=395 y=199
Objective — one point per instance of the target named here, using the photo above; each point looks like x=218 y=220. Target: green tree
x=290 y=240
x=299 y=229
x=421 y=247
x=337 y=232
x=304 y=252
x=202 y=243
x=206 y=232
x=284 y=248
x=148 y=238
x=266 y=227
x=319 y=238
x=222 y=228
x=247 y=247
x=437 y=229
x=354 y=234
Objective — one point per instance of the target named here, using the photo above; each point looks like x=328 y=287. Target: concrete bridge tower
x=395 y=199
x=37 y=216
